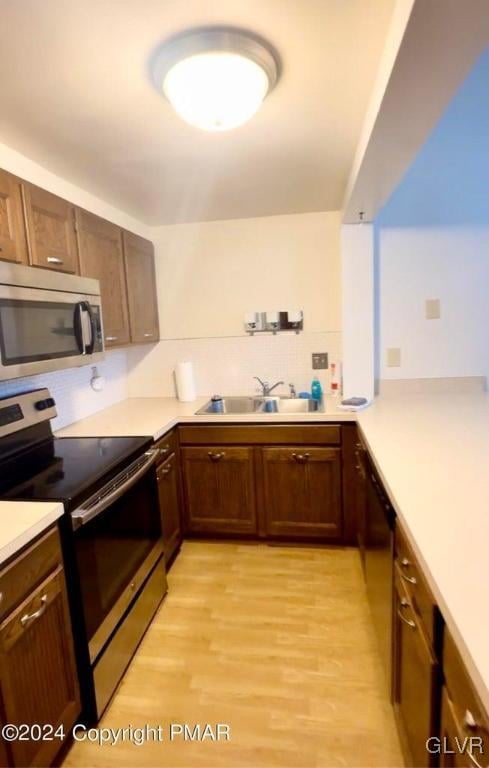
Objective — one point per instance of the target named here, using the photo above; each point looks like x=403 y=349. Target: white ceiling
x=76 y=97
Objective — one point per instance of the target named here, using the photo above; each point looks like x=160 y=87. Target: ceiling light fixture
x=215 y=78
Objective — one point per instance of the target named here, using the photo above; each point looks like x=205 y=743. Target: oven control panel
x=25 y=409
x=10 y=413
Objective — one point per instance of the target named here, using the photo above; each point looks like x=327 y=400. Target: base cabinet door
x=37 y=669
x=219 y=490
x=302 y=492
x=13 y=243
x=51 y=230
x=169 y=496
x=101 y=257
x=415 y=678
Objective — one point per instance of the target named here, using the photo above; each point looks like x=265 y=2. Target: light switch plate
x=432 y=309
x=319 y=361
x=393 y=357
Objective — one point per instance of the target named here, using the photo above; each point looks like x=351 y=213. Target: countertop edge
x=31 y=532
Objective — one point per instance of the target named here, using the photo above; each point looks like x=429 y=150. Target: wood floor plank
x=275 y=641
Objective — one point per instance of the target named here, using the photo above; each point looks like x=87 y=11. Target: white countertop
x=22 y=521
x=153 y=416
x=432 y=452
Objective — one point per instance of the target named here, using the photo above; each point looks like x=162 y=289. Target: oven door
x=43 y=330
x=117 y=537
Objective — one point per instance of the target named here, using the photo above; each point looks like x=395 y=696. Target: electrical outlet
x=393 y=357
x=432 y=309
x=319 y=361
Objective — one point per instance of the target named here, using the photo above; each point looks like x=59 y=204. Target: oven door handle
x=82 y=515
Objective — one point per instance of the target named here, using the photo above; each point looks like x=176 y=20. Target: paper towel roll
x=184 y=377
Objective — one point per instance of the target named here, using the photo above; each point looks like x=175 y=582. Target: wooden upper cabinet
x=141 y=288
x=51 y=233
x=101 y=257
x=13 y=242
x=302 y=492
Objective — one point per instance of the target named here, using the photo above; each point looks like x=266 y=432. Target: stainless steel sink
x=243 y=405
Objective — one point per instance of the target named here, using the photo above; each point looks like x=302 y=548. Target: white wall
x=432 y=242
x=210 y=274
x=449 y=264
x=357 y=257
x=71 y=388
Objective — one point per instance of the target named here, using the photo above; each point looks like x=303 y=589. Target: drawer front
x=280 y=434
x=166 y=445
x=414 y=582
x=24 y=573
x=471 y=717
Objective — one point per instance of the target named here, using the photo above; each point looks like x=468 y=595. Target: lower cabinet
x=302 y=492
x=38 y=679
x=169 y=497
x=464 y=727
x=415 y=680
x=219 y=490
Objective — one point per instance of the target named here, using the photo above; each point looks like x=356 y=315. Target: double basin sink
x=237 y=405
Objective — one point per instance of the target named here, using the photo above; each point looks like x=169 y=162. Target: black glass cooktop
x=67 y=469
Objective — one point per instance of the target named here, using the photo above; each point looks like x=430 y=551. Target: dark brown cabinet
x=101 y=257
x=464 y=727
x=169 y=496
x=13 y=242
x=141 y=288
x=51 y=233
x=219 y=490
x=38 y=679
x=415 y=679
x=302 y=492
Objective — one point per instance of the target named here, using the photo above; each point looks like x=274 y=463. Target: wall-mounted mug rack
x=274 y=322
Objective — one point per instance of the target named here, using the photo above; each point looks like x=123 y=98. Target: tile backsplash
x=226 y=365
x=71 y=388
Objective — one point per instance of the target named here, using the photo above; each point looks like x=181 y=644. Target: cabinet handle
x=301 y=457
x=410 y=579
x=148 y=335
x=216 y=456
x=164 y=450
x=166 y=470
x=54 y=260
x=28 y=617
x=409 y=622
x=111 y=338
x=471 y=724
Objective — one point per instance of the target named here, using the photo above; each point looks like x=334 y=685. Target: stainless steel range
x=111 y=532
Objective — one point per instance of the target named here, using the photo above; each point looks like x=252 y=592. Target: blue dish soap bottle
x=316 y=389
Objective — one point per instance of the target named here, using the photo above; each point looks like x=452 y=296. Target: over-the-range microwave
x=48 y=321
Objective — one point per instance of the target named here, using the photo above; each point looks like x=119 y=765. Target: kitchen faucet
x=266 y=388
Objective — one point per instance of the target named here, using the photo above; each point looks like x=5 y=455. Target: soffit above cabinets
x=431 y=47
x=76 y=97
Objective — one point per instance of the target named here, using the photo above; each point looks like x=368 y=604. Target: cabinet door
x=100 y=248
x=415 y=676
x=37 y=669
x=302 y=492
x=169 y=495
x=50 y=230
x=13 y=243
x=141 y=288
x=219 y=490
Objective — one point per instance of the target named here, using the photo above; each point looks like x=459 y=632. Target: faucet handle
x=293 y=392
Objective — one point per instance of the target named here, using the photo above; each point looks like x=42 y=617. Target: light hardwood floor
x=275 y=641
